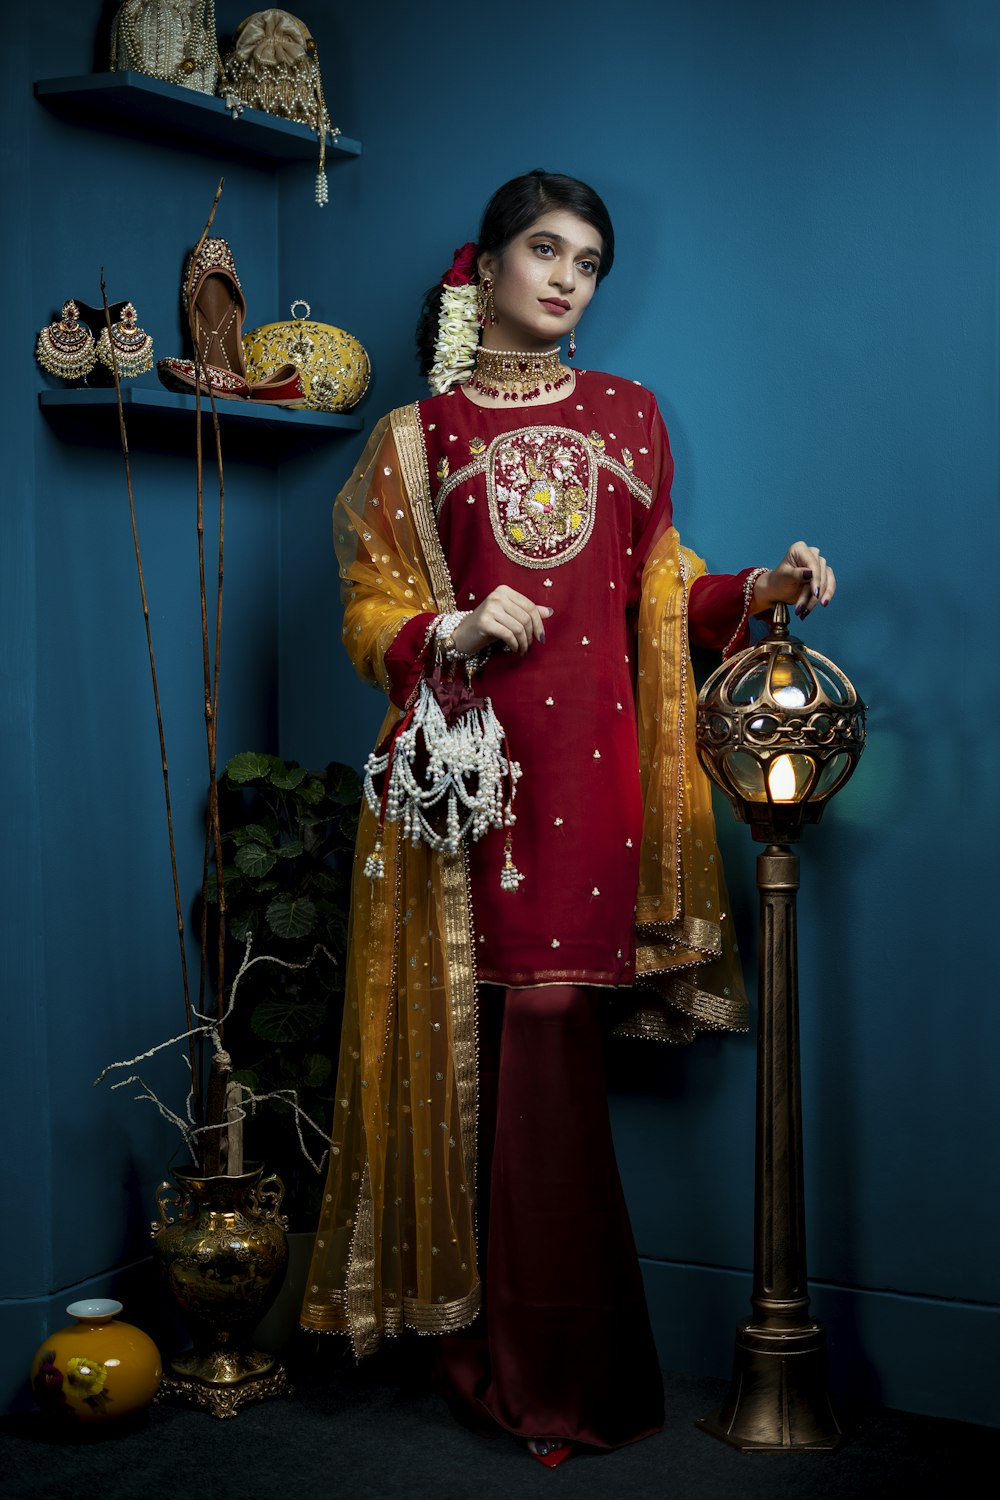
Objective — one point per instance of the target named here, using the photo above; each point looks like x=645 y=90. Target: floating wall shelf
x=166 y=109
x=137 y=399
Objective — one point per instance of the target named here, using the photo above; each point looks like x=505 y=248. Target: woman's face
x=544 y=283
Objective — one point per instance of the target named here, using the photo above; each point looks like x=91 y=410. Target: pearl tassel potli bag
x=274 y=66
x=444 y=772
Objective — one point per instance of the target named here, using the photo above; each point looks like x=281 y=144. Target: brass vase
x=220 y=1244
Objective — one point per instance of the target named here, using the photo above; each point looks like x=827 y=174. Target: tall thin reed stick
x=213 y=836
x=213 y=1145
x=188 y=1014
x=213 y=831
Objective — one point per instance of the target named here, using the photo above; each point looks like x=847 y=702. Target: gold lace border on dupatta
x=332 y=1316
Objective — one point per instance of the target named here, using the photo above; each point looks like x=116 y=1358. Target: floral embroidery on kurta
x=541 y=483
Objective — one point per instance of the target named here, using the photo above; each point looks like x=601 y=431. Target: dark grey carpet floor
x=379 y=1431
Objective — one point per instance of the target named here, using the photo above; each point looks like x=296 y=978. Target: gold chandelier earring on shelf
x=126 y=345
x=484 y=302
x=66 y=347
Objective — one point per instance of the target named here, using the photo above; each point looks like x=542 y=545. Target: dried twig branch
x=210 y=1131
x=191 y=1134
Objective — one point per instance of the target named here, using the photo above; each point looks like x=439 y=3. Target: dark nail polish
x=542 y=637
x=807 y=573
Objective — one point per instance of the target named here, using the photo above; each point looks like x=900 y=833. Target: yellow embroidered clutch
x=334 y=366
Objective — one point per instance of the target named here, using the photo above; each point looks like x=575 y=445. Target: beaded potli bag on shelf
x=274 y=66
x=173 y=40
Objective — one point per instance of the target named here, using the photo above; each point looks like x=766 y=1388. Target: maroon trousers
x=563 y=1347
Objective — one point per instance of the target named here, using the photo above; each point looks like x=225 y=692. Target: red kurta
x=562 y=503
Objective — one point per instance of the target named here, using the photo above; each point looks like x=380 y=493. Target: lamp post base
x=779 y=1398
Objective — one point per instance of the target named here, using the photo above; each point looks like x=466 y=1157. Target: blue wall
x=91 y=969
x=807 y=209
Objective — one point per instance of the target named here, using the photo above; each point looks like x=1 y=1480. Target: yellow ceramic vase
x=96 y=1369
x=334 y=366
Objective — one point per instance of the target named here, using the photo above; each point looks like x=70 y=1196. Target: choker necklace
x=517 y=377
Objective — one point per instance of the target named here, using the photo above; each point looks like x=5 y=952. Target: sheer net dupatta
x=385 y=578
x=688 y=976
x=396 y=1243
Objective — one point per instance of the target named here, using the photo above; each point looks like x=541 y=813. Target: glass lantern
x=780 y=729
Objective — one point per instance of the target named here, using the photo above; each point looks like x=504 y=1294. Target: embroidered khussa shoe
x=215 y=307
x=283 y=387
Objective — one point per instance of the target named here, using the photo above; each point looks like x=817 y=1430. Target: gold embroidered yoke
x=397 y=1235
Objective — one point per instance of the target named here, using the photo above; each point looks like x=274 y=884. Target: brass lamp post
x=780 y=729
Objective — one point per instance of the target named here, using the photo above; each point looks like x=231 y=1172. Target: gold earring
x=484 y=301
x=66 y=348
x=127 y=345
x=572 y=343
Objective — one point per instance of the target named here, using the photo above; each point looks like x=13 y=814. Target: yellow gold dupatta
x=396 y=1238
x=688 y=975
x=396 y=1243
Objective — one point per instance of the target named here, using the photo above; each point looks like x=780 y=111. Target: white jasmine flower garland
x=457 y=340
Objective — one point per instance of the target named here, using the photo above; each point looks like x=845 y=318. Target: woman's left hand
x=803 y=578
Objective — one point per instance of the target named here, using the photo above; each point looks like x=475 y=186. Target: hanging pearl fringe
x=375 y=863
x=470 y=750
x=322 y=191
x=510 y=875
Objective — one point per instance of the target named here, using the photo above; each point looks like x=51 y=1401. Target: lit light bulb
x=781 y=779
x=789 y=697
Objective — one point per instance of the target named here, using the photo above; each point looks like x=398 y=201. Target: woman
x=519 y=521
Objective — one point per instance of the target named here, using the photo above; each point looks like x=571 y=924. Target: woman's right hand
x=505 y=616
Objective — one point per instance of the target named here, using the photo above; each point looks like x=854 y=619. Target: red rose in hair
x=463 y=267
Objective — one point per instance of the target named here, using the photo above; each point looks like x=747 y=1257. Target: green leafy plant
x=288 y=839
